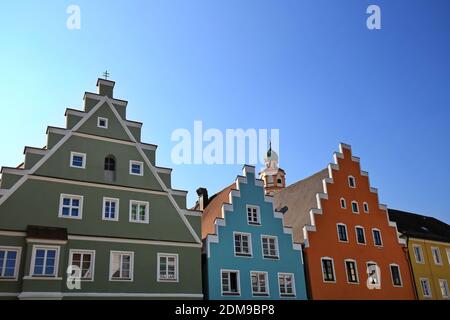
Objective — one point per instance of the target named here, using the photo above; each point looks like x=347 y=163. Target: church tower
x=274 y=177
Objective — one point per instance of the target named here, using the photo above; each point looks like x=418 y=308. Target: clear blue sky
x=310 y=68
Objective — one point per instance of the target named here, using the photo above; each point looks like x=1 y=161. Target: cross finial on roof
x=106 y=74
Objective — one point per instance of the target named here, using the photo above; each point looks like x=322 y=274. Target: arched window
x=110 y=168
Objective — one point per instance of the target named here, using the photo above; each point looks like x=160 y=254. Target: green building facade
x=91 y=215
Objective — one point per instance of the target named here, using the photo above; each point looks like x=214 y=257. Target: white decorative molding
x=14 y=171
x=35 y=151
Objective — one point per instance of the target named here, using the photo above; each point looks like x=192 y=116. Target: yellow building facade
x=430 y=262
x=428 y=241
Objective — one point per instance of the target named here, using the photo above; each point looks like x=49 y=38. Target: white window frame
x=18 y=251
x=238 y=279
x=354 y=182
x=33 y=262
x=418 y=246
x=343 y=201
x=78 y=154
x=82 y=252
x=399 y=274
x=433 y=250
x=356 y=271
x=365 y=207
x=71 y=196
x=266 y=276
x=373 y=237
x=364 y=234
x=250 y=247
x=168 y=255
x=447 y=250
x=258 y=215
x=147 y=211
x=294 y=291
x=427 y=281
x=346 y=232
x=117 y=201
x=99 y=119
x=332 y=265
x=357 y=207
x=445 y=282
x=277 y=249
x=140 y=163
x=131 y=253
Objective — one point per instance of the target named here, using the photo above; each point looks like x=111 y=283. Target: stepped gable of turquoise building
x=248 y=252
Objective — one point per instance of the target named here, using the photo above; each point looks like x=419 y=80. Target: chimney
x=203 y=199
x=105 y=87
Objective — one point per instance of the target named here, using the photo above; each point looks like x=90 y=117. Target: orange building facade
x=351 y=249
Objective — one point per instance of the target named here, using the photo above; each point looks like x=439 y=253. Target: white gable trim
x=324 y=195
x=154 y=172
x=67 y=134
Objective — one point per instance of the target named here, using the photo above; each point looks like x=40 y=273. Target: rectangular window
x=102 y=123
x=443 y=284
x=426 y=290
x=342 y=232
x=167 y=267
x=352 y=273
x=139 y=211
x=136 y=168
x=9 y=262
x=121 y=266
x=343 y=203
x=259 y=283
x=366 y=207
x=286 y=284
x=45 y=261
x=418 y=253
x=70 y=206
x=360 y=237
x=373 y=272
x=253 y=216
x=270 y=247
x=377 y=237
x=436 y=255
x=84 y=261
x=355 y=207
x=395 y=275
x=242 y=244
x=230 y=283
x=110 y=209
x=78 y=160
x=328 y=270
x=351 y=182
x=448 y=255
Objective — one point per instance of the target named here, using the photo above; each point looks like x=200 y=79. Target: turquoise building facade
x=248 y=252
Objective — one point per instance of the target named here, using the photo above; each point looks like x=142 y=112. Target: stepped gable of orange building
x=338 y=265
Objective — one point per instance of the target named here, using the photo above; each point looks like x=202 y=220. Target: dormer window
x=351 y=182
x=102 y=123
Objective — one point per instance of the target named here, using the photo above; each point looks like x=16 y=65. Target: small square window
x=136 y=168
x=70 y=206
x=102 y=123
x=139 y=211
x=83 y=260
x=78 y=160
